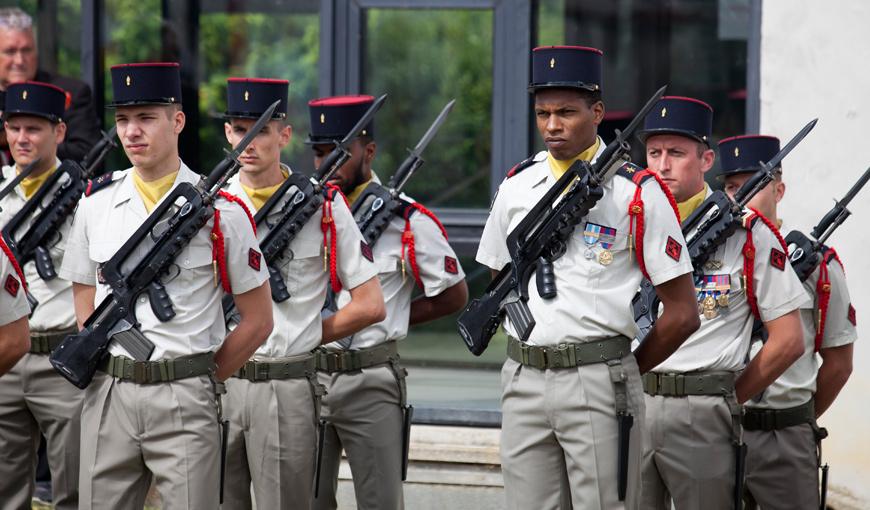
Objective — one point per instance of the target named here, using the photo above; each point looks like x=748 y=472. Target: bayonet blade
x=433 y=129
x=362 y=122
x=254 y=131
x=777 y=159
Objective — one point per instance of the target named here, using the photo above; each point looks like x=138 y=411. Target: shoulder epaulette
x=98 y=183
x=519 y=167
x=634 y=173
x=229 y=197
x=755 y=216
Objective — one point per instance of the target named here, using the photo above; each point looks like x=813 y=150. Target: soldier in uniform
x=33 y=397
x=693 y=399
x=159 y=418
x=366 y=396
x=780 y=430
x=14 y=331
x=273 y=402
x=567 y=388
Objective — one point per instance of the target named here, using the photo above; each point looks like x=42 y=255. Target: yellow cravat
x=259 y=196
x=152 y=191
x=357 y=191
x=30 y=184
x=560 y=166
x=688 y=207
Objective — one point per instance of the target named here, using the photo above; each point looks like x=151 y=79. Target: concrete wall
x=814 y=63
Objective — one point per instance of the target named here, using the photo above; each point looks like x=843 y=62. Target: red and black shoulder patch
x=366 y=250
x=12 y=285
x=254 y=259
x=98 y=183
x=673 y=248
x=519 y=167
x=851 y=315
x=777 y=259
x=451 y=265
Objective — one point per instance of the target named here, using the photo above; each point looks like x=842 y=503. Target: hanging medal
x=606 y=237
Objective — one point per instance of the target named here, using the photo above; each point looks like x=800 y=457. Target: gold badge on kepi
x=128 y=80
x=736 y=152
x=323 y=118
x=552 y=63
x=664 y=112
x=24 y=95
x=247 y=94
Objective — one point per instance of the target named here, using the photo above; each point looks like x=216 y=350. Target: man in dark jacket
x=18 y=62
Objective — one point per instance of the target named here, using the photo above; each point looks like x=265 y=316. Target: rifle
x=292 y=210
x=377 y=204
x=18 y=178
x=48 y=215
x=805 y=252
x=539 y=239
x=168 y=229
x=709 y=226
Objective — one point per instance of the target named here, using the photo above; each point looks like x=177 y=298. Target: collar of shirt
x=688 y=207
x=560 y=166
x=152 y=191
x=29 y=185
x=127 y=189
x=549 y=177
x=259 y=196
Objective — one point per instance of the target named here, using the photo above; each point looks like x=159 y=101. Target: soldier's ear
x=60 y=133
x=285 y=134
x=228 y=132
x=371 y=149
x=179 y=119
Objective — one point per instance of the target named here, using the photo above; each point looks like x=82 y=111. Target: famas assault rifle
x=44 y=213
x=709 y=226
x=167 y=230
x=539 y=239
x=290 y=208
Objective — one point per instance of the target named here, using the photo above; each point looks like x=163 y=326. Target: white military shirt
x=13 y=301
x=55 y=312
x=722 y=342
x=107 y=218
x=298 y=324
x=798 y=383
x=439 y=270
x=593 y=300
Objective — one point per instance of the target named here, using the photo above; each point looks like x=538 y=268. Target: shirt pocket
x=302 y=261
x=192 y=264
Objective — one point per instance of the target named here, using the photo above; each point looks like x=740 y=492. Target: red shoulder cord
x=749 y=264
x=218 y=250
x=408 y=239
x=330 y=237
x=14 y=262
x=636 y=215
x=823 y=290
x=772 y=228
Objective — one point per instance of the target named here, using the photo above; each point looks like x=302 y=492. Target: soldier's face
x=149 y=134
x=264 y=152
x=765 y=200
x=355 y=171
x=681 y=163
x=32 y=138
x=17 y=56
x=567 y=123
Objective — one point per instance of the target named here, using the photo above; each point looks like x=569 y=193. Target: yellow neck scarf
x=688 y=207
x=560 y=166
x=357 y=191
x=152 y=191
x=259 y=196
x=30 y=184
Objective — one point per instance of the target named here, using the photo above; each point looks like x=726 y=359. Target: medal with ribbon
x=713 y=290
x=595 y=234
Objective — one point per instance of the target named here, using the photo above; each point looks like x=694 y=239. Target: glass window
x=278 y=41
x=423 y=58
x=697 y=47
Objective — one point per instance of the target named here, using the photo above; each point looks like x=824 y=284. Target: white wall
x=815 y=62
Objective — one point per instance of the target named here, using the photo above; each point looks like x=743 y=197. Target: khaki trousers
x=782 y=468
x=133 y=432
x=272 y=443
x=33 y=399
x=559 y=436
x=364 y=418
x=688 y=457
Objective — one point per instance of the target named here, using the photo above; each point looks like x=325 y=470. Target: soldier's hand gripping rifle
x=709 y=226
x=806 y=252
x=44 y=213
x=377 y=204
x=290 y=208
x=166 y=231
x=539 y=239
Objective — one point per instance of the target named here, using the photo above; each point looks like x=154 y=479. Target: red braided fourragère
x=218 y=253
x=233 y=198
x=408 y=237
x=14 y=262
x=823 y=290
x=330 y=235
x=772 y=228
x=749 y=265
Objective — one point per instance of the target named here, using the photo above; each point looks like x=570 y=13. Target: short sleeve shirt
x=439 y=269
x=55 y=312
x=722 y=341
x=13 y=301
x=297 y=320
x=593 y=300
x=798 y=383
x=106 y=219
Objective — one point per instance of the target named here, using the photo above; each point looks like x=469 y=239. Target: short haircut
x=13 y=18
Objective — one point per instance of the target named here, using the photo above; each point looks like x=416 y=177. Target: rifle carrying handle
x=44 y=265
x=161 y=304
x=279 y=288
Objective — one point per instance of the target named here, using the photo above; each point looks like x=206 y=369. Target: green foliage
x=422 y=59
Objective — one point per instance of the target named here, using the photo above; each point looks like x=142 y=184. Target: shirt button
x=186 y=262
x=142 y=299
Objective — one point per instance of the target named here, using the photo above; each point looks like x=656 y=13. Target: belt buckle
x=140 y=372
x=561 y=356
